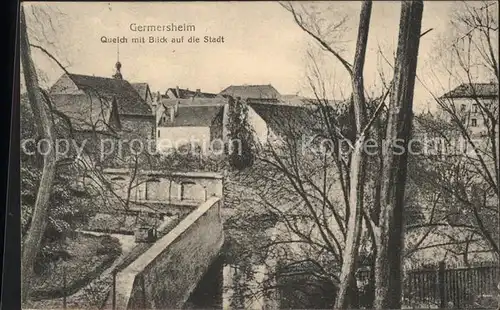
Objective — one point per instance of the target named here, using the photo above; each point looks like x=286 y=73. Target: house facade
x=185 y=117
x=189 y=126
x=467 y=100
x=101 y=107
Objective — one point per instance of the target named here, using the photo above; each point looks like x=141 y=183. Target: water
x=227 y=286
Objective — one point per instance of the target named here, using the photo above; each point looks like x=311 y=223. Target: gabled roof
x=263 y=100
x=127 y=98
x=301 y=100
x=251 y=91
x=142 y=89
x=166 y=102
x=474 y=90
x=192 y=116
x=286 y=120
x=187 y=94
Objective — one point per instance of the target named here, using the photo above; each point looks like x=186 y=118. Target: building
x=100 y=106
x=252 y=92
x=273 y=122
x=467 y=99
x=145 y=93
x=180 y=93
x=207 y=119
x=185 y=117
x=189 y=125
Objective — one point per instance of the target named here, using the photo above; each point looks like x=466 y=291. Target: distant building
x=252 y=92
x=180 y=93
x=275 y=122
x=467 y=99
x=109 y=107
x=206 y=119
x=189 y=125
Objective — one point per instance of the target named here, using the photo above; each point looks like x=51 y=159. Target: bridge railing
x=165 y=275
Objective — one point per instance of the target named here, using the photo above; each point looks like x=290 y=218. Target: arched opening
x=119 y=186
x=151 y=185
x=190 y=190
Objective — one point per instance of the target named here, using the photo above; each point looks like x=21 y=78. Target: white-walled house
x=189 y=125
x=204 y=122
x=467 y=100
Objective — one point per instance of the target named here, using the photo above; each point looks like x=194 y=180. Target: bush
x=109 y=246
x=87 y=256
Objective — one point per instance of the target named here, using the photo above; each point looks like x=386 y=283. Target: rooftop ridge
x=95 y=76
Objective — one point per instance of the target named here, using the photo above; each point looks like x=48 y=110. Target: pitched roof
x=186 y=93
x=193 y=102
x=128 y=99
x=141 y=88
x=301 y=100
x=192 y=116
x=285 y=119
x=251 y=91
x=468 y=90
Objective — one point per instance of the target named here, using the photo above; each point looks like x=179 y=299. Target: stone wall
x=167 y=273
x=138 y=127
x=166 y=187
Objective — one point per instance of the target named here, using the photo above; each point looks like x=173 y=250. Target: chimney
x=177 y=92
x=172 y=114
x=198 y=91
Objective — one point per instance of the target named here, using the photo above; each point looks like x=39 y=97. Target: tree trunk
x=388 y=261
x=32 y=242
x=358 y=159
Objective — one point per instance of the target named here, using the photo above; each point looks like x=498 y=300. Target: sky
x=262 y=43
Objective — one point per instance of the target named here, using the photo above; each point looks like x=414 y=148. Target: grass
x=121 y=223
x=87 y=256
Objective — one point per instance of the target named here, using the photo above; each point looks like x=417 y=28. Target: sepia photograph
x=259 y=155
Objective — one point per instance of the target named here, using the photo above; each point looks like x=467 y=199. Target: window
x=158 y=133
x=462 y=108
x=473 y=122
x=474 y=108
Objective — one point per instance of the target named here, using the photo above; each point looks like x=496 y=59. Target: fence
x=442 y=287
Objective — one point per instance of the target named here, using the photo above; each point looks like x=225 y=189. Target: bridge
x=165 y=275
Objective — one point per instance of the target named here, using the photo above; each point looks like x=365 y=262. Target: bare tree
x=40 y=110
x=51 y=124
x=357 y=159
x=398 y=127
x=467 y=123
x=389 y=231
